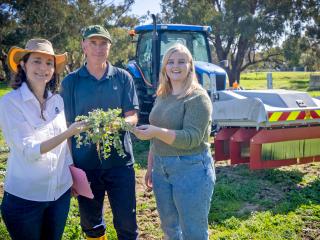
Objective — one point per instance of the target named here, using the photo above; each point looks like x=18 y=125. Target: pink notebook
x=80 y=182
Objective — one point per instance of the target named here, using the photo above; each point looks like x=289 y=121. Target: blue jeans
x=183 y=187
x=34 y=220
x=120 y=186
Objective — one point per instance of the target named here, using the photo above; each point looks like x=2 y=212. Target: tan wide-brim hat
x=16 y=54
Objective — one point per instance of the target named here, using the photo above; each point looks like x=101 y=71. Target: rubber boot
x=104 y=237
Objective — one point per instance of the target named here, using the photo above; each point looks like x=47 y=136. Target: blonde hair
x=191 y=83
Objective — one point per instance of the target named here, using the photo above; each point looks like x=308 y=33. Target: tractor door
x=144 y=54
x=144 y=87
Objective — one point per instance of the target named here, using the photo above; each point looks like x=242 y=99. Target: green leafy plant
x=103 y=130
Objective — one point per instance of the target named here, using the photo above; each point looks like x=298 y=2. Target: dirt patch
x=311 y=231
x=147 y=214
x=1 y=188
x=249 y=208
x=271 y=194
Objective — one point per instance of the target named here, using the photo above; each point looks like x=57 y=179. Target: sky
x=140 y=7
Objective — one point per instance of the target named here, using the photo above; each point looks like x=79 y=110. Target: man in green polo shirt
x=98 y=84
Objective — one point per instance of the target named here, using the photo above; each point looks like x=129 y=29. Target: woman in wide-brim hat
x=35 y=45
x=37 y=186
x=17 y=57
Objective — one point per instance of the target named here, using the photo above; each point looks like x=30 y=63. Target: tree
x=37 y=18
x=311 y=12
x=305 y=50
x=293 y=48
x=242 y=29
x=6 y=23
x=312 y=56
x=61 y=22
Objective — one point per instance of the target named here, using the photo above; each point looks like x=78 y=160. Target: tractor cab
x=194 y=37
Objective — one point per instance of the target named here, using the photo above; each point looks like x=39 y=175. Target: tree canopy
x=245 y=32
x=61 y=21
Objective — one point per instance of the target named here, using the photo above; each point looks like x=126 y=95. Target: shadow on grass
x=240 y=191
x=298 y=84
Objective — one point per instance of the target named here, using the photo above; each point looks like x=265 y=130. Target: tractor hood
x=205 y=71
x=204 y=67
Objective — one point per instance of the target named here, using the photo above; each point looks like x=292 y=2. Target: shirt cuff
x=181 y=140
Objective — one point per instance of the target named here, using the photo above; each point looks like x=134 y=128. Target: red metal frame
x=235 y=137
x=222 y=138
x=241 y=136
x=279 y=135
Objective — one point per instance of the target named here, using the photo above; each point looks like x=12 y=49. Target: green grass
x=266 y=204
x=281 y=80
x=275 y=204
x=4 y=88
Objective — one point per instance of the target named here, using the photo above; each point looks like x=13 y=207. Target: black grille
x=221 y=82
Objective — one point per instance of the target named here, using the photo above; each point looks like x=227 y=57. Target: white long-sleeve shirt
x=31 y=175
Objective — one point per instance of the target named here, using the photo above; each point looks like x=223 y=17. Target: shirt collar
x=83 y=72
x=27 y=94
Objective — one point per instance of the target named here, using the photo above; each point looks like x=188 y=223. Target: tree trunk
x=3 y=60
x=234 y=76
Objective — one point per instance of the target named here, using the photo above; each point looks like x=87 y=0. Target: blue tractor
x=264 y=128
x=152 y=43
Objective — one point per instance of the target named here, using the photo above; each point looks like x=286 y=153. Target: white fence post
x=269 y=80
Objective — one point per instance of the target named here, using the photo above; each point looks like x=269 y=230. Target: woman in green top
x=180 y=165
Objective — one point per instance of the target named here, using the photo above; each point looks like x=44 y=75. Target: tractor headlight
x=206 y=81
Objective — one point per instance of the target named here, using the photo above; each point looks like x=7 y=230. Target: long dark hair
x=20 y=77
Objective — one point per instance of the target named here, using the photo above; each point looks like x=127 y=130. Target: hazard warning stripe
x=293 y=116
x=284 y=116
x=315 y=114
x=301 y=115
x=274 y=116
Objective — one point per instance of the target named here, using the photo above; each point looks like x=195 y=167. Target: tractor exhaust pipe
x=155 y=64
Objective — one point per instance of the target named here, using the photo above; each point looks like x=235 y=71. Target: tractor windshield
x=194 y=41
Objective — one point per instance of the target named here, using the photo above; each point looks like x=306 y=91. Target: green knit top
x=189 y=116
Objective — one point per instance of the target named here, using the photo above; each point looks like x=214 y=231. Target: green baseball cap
x=96 y=31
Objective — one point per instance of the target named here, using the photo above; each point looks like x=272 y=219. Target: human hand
x=148 y=180
x=145 y=132
x=78 y=127
x=74 y=193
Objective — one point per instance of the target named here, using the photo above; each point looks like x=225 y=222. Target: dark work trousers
x=35 y=220
x=119 y=183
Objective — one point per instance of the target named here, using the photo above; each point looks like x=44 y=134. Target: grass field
x=274 y=204
x=281 y=80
